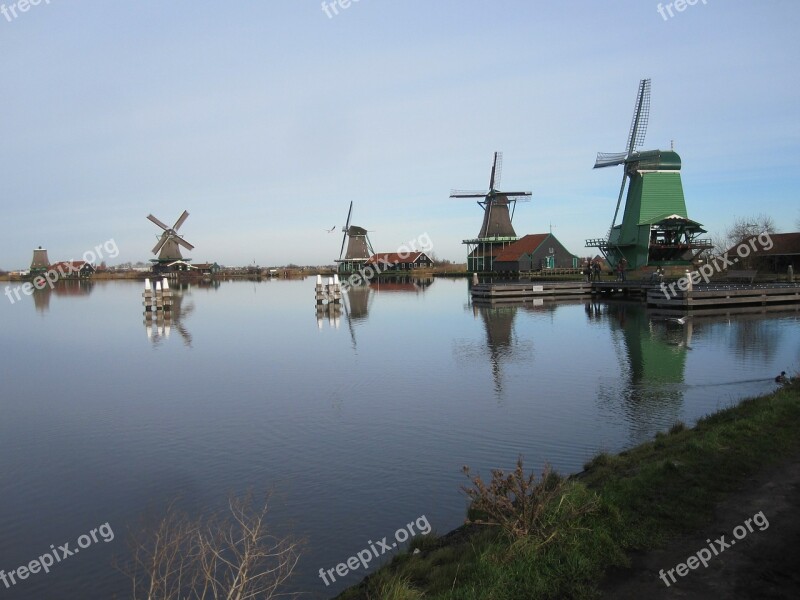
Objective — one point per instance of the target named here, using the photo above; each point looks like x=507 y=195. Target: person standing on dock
x=596 y=270
x=588 y=270
x=621 y=265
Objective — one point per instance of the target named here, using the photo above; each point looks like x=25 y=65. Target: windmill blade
x=182 y=242
x=162 y=240
x=349 y=212
x=498 y=169
x=180 y=221
x=497 y=156
x=157 y=222
x=519 y=197
x=344 y=239
x=509 y=194
x=609 y=159
x=619 y=201
x=468 y=194
x=641 y=116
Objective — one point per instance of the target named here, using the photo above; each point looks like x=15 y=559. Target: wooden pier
x=707 y=296
x=527 y=290
x=700 y=297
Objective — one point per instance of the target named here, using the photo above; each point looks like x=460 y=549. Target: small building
x=72 y=269
x=207 y=268
x=534 y=252
x=785 y=251
x=400 y=261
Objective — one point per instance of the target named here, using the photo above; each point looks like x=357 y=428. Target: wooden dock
x=700 y=297
x=707 y=296
x=527 y=290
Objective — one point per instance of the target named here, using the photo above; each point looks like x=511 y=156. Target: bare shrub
x=228 y=555
x=520 y=504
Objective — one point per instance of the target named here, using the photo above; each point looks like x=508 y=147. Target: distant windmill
x=496 y=231
x=655 y=227
x=168 y=246
x=359 y=248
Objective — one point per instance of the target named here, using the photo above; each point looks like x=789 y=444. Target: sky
x=265 y=119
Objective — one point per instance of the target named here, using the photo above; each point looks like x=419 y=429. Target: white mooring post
x=147 y=296
x=337 y=290
x=790 y=274
x=319 y=292
x=688 y=281
x=166 y=294
x=159 y=296
x=474 y=279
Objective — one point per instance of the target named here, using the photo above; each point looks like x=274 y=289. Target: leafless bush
x=524 y=506
x=225 y=555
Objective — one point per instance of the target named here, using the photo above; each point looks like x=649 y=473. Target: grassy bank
x=573 y=529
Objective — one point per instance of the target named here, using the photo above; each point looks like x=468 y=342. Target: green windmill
x=655 y=227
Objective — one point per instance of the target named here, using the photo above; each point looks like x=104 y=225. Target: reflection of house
x=400 y=261
x=402 y=283
x=534 y=252
x=72 y=269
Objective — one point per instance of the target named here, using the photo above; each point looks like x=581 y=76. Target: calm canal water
x=358 y=427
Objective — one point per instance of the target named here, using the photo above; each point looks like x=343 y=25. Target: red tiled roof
x=525 y=245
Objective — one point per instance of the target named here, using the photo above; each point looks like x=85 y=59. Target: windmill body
x=497 y=230
x=655 y=227
x=40 y=262
x=359 y=248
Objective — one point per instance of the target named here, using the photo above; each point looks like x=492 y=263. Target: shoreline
x=642 y=504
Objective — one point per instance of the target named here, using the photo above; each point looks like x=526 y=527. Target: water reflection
x=158 y=323
x=356 y=301
x=63 y=288
x=652 y=353
x=415 y=285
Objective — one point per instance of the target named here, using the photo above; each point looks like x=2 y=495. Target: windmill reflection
x=356 y=301
x=652 y=353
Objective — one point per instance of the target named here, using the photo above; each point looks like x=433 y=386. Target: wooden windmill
x=496 y=232
x=655 y=227
x=359 y=248
x=168 y=246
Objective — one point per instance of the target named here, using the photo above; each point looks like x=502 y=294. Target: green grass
x=631 y=501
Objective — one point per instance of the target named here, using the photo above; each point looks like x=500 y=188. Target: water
x=357 y=430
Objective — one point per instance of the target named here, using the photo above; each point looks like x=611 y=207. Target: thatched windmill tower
x=40 y=262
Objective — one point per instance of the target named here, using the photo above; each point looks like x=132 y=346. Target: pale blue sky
x=265 y=119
